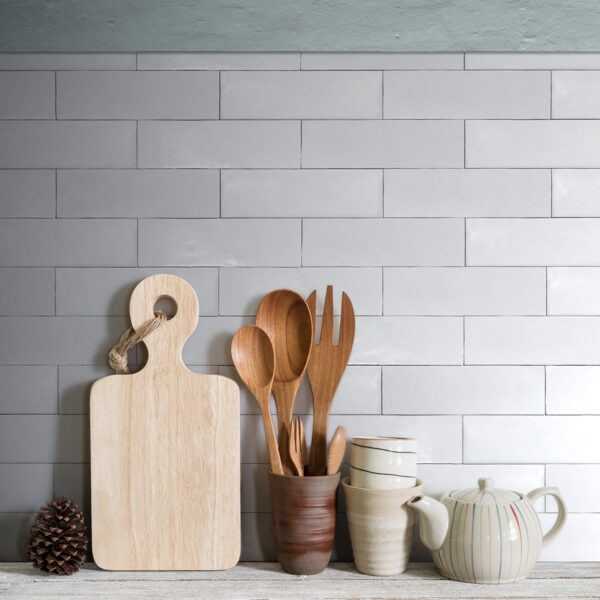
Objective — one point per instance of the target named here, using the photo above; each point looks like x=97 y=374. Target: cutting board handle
x=165 y=343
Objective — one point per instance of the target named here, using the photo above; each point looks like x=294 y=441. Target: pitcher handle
x=562 y=510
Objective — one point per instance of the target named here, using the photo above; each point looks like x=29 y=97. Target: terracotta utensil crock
x=303 y=511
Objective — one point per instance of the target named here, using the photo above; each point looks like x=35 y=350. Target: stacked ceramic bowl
x=383 y=478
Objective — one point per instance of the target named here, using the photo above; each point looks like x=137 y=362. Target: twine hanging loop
x=117 y=357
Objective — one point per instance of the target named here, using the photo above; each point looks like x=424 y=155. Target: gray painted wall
x=312 y=25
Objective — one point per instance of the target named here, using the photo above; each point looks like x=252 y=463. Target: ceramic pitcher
x=484 y=534
x=381 y=527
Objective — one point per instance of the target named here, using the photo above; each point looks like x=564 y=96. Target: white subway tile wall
x=443 y=192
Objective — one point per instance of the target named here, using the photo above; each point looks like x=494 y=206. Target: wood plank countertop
x=268 y=581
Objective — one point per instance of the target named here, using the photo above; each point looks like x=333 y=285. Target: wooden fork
x=325 y=369
x=298 y=446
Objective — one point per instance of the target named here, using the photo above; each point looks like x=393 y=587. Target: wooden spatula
x=337 y=448
x=325 y=368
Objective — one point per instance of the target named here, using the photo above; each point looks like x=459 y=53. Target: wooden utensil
x=253 y=357
x=165 y=452
x=298 y=447
x=337 y=449
x=286 y=319
x=325 y=369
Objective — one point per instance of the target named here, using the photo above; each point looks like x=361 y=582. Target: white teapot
x=485 y=535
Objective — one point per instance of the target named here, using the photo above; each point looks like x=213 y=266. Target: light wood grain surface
x=254 y=358
x=253 y=581
x=325 y=369
x=165 y=452
x=284 y=316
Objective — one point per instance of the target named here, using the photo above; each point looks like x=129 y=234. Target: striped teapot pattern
x=491 y=535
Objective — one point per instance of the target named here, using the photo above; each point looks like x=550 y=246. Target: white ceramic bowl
x=383 y=463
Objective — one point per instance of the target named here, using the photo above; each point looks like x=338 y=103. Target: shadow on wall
x=15 y=528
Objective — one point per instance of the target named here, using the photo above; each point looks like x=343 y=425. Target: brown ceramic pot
x=303 y=513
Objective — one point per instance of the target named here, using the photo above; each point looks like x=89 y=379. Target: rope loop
x=117 y=357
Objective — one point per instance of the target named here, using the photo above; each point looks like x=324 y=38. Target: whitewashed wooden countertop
x=268 y=581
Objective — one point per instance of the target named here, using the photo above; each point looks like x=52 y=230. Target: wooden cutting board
x=165 y=452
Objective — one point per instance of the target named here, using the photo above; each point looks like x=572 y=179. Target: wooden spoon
x=285 y=317
x=325 y=370
x=337 y=449
x=254 y=360
x=298 y=447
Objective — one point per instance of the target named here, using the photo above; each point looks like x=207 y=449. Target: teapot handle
x=562 y=510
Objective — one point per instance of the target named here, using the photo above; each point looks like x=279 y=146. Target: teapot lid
x=486 y=493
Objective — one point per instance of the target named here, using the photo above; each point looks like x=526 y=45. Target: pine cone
x=58 y=542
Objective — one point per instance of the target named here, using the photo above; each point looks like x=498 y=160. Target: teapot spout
x=433 y=524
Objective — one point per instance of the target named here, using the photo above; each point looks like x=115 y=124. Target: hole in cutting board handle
x=167 y=305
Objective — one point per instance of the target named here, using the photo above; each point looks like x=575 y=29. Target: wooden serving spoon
x=285 y=317
x=254 y=360
x=298 y=447
x=337 y=449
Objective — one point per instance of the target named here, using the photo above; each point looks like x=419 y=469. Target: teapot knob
x=485 y=483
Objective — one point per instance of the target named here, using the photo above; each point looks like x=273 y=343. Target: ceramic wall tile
x=139 y=95
x=169 y=193
x=301 y=95
x=383 y=242
x=463 y=390
x=467 y=95
x=467 y=193
x=464 y=291
x=382 y=144
x=535 y=439
x=253 y=193
x=532 y=144
x=67 y=144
